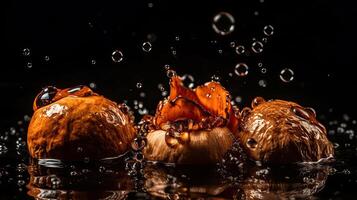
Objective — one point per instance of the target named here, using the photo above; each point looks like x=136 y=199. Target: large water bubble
x=223 y=23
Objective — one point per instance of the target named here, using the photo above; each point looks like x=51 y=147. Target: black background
x=317 y=39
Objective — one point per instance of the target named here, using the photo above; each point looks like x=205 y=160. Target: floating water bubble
x=147 y=46
x=262 y=83
x=93 y=61
x=241 y=69
x=260 y=64
x=139 y=85
x=263 y=70
x=92 y=85
x=232 y=44
x=240 y=49
x=223 y=23
x=29 y=65
x=26 y=52
x=287 y=75
x=268 y=30
x=220 y=51
x=188 y=80
x=47 y=58
x=238 y=99
x=257 y=47
x=117 y=56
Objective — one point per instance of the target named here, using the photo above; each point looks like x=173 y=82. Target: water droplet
x=139 y=85
x=263 y=70
x=45 y=96
x=138 y=144
x=188 y=80
x=268 y=30
x=29 y=65
x=117 y=56
x=170 y=73
x=262 y=83
x=26 y=52
x=146 y=46
x=251 y=143
x=257 y=47
x=92 y=85
x=286 y=75
x=232 y=44
x=93 y=62
x=223 y=23
x=240 y=49
x=257 y=101
x=238 y=99
x=241 y=69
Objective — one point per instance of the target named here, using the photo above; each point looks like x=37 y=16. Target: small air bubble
x=92 y=85
x=146 y=46
x=241 y=69
x=262 y=83
x=287 y=75
x=117 y=56
x=268 y=30
x=26 y=52
x=139 y=85
x=223 y=23
x=257 y=47
x=240 y=49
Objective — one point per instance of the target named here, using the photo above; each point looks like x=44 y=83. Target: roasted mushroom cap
x=283 y=132
x=76 y=123
x=192 y=126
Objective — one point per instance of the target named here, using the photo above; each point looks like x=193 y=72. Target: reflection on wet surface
x=125 y=178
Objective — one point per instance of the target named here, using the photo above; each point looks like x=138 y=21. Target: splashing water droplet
x=146 y=46
x=241 y=69
x=26 y=52
x=139 y=85
x=170 y=73
x=257 y=47
x=117 y=56
x=223 y=23
x=268 y=30
x=240 y=49
x=286 y=75
x=262 y=83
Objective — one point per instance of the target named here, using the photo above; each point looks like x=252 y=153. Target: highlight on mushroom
x=192 y=126
x=283 y=132
x=76 y=123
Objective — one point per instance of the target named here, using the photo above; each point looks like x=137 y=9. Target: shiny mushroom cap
x=77 y=123
x=282 y=132
x=192 y=126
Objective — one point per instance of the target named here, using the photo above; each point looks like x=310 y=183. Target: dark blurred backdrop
x=317 y=39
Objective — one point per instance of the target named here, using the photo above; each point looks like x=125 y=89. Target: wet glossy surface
x=131 y=177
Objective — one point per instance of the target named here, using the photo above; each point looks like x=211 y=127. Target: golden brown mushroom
x=282 y=132
x=77 y=123
x=192 y=126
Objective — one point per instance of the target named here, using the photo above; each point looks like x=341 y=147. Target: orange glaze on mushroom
x=192 y=126
x=77 y=123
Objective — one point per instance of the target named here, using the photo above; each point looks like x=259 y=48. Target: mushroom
x=282 y=132
x=77 y=123
x=192 y=126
